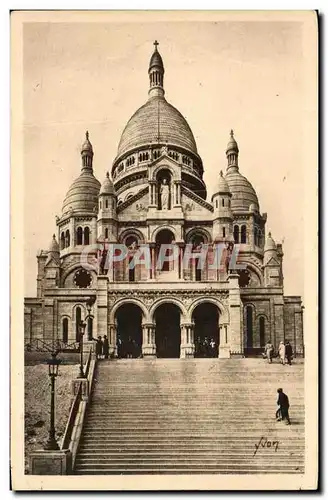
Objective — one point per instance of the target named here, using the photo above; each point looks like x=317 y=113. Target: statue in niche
x=165 y=194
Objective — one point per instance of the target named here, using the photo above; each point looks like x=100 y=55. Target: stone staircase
x=197 y=416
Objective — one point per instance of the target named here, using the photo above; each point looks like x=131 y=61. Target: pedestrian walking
x=289 y=353
x=282 y=352
x=105 y=347
x=283 y=406
x=269 y=350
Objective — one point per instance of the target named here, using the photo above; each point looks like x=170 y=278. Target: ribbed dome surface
x=83 y=193
x=243 y=193
x=157 y=115
x=107 y=186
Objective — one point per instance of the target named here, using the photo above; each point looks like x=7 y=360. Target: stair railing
x=74 y=426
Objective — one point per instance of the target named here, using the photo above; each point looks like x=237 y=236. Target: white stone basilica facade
x=155 y=195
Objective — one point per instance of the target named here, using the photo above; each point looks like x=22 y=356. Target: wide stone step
x=183 y=468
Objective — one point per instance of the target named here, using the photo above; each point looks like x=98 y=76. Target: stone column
x=152 y=194
x=235 y=330
x=148 y=341
x=112 y=340
x=224 y=346
x=187 y=347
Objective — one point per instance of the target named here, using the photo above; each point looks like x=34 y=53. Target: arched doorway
x=167 y=333
x=129 y=331
x=164 y=237
x=206 y=330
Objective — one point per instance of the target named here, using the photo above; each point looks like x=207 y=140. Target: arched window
x=198 y=271
x=229 y=202
x=90 y=328
x=236 y=234
x=65 y=330
x=243 y=234
x=86 y=236
x=223 y=202
x=106 y=203
x=106 y=233
x=78 y=317
x=79 y=233
x=62 y=241
x=100 y=204
x=223 y=232
x=249 y=326
x=262 y=331
x=132 y=269
x=67 y=239
x=216 y=203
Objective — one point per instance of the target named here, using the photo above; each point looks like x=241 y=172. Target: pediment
x=273 y=262
x=194 y=205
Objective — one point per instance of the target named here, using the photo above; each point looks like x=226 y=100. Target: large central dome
x=157 y=121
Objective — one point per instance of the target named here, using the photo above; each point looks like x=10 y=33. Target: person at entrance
x=105 y=347
x=129 y=348
x=213 y=348
x=282 y=352
x=283 y=404
x=289 y=353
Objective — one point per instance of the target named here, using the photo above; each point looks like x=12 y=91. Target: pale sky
x=248 y=76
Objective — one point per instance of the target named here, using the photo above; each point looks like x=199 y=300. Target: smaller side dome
x=222 y=186
x=107 y=186
x=54 y=247
x=270 y=244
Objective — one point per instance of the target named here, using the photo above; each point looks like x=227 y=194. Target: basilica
x=155 y=196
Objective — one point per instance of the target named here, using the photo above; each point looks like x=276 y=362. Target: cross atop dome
x=156 y=73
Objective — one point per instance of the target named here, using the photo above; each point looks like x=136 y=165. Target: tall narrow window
x=236 y=234
x=106 y=233
x=79 y=236
x=198 y=272
x=223 y=232
x=62 y=241
x=65 y=330
x=243 y=234
x=106 y=203
x=262 y=331
x=67 y=239
x=131 y=270
x=255 y=236
x=90 y=328
x=249 y=326
x=86 y=236
x=77 y=323
x=223 y=202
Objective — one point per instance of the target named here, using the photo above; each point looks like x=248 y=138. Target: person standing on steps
x=283 y=404
x=105 y=348
x=282 y=352
x=99 y=348
x=289 y=353
x=269 y=349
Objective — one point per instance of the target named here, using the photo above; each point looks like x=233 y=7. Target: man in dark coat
x=99 y=347
x=289 y=353
x=105 y=347
x=283 y=404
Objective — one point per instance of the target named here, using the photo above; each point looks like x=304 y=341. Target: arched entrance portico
x=206 y=330
x=167 y=331
x=129 y=331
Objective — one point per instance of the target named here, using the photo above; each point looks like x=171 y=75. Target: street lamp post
x=53 y=365
x=82 y=326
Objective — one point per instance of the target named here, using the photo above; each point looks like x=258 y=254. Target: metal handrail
x=71 y=419
x=50 y=345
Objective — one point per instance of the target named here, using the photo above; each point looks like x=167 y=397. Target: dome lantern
x=87 y=153
x=232 y=152
x=156 y=73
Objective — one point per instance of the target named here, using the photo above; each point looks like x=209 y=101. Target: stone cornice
x=197 y=199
